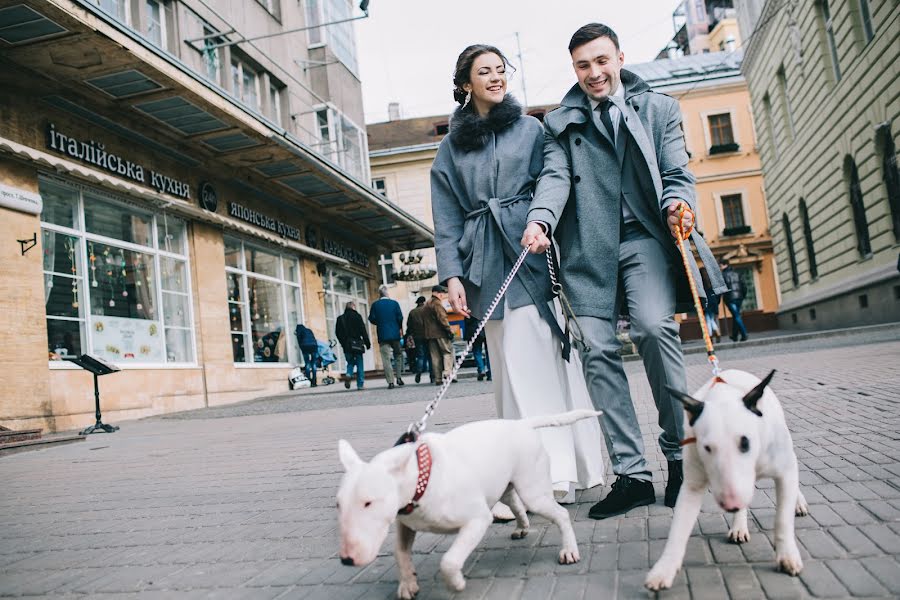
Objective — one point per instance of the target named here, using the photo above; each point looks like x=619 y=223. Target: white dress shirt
x=615 y=115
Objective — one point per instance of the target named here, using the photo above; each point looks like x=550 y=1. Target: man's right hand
x=535 y=239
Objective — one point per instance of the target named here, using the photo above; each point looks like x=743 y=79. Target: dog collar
x=423 y=456
x=690 y=440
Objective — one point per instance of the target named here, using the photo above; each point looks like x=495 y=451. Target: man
x=614 y=180
x=387 y=317
x=439 y=335
x=309 y=347
x=479 y=348
x=353 y=335
x=734 y=297
x=415 y=330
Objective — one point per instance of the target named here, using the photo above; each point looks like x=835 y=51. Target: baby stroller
x=326 y=357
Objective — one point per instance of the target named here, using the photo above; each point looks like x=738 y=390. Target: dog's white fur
x=717 y=461
x=473 y=466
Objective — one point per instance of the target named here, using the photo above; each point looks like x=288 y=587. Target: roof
x=695 y=69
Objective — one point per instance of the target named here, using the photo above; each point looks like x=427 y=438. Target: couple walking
x=604 y=178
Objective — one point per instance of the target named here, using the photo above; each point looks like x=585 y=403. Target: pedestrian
x=387 y=317
x=711 y=310
x=439 y=335
x=309 y=348
x=415 y=332
x=353 y=336
x=734 y=297
x=482 y=181
x=482 y=358
x=614 y=179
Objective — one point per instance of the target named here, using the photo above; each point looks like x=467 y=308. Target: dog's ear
x=349 y=457
x=693 y=406
x=752 y=397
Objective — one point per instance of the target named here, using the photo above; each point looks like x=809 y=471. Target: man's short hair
x=383 y=290
x=724 y=261
x=589 y=33
x=438 y=289
x=421 y=300
x=350 y=304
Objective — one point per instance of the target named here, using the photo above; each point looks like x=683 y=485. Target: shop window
x=749 y=281
x=861 y=224
x=264 y=304
x=808 y=240
x=342 y=287
x=890 y=174
x=830 y=42
x=733 y=215
x=721 y=134
x=117 y=288
x=789 y=243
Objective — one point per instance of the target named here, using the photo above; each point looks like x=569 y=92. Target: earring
x=468 y=99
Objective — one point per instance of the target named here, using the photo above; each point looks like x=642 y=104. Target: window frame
x=125 y=8
x=789 y=241
x=865 y=21
x=337 y=151
x=720 y=211
x=886 y=152
x=858 y=208
x=830 y=39
x=237 y=78
x=275 y=103
x=716 y=149
x=808 y=241
x=770 y=124
x=320 y=12
x=786 y=109
x=163 y=30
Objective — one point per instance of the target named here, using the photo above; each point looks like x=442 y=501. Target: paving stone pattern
x=238 y=502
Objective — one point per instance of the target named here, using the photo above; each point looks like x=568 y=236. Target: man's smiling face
x=598 y=66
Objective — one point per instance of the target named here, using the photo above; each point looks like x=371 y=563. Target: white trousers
x=531 y=378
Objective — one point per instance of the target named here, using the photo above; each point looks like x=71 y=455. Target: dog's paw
x=802 y=507
x=408 y=589
x=660 y=576
x=454 y=580
x=739 y=535
x=518 y=534
x=569 y=556
x=790 y=563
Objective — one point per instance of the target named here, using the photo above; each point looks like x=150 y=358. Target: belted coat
x=579 y=193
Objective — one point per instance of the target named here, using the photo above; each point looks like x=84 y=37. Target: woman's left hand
x=457 y=294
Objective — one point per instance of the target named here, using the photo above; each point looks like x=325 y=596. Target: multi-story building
x=702 y=26
x=824 y=88
x=181 y=183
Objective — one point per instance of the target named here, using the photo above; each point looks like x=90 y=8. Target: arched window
x=789 y=241
x=808 y=240
x=889 y=173
x=863 y=243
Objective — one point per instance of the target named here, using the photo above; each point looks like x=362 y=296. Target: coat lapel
x=631 y=120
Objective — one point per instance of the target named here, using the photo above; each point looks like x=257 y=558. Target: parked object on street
x=97 y=366
x=476 y=465
x=297 y=379
x=735 y=433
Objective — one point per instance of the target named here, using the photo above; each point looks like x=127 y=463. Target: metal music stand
x=97 y=367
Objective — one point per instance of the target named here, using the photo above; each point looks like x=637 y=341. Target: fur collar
x=468 y=131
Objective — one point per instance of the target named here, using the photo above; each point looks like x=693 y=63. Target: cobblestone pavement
x=238 y=502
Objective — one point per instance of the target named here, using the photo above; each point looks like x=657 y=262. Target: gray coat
x=581 y=203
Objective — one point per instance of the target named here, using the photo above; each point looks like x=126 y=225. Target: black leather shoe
x=400 y=382
x=390 y=386
x=481 y=377
x=676 y=477
x=626 y=493
x=418 y=377
x=347 y=383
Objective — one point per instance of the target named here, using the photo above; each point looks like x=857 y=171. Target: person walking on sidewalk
x=482 y=358
x=387 y=317
x=415 y=330
x=711 y=311
x=353 y=336
x=734 y=297
x=439 y=335
x=309 y=347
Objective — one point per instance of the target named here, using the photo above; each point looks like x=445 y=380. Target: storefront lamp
x=413 y=269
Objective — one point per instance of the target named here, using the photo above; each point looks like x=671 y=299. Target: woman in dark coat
x=482 y=182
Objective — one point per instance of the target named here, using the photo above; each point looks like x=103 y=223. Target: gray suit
x=585 y=180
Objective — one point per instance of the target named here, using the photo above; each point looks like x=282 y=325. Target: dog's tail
x=566 y=418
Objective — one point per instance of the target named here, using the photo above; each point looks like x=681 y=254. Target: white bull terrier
x=447 y=483
x=735 y=434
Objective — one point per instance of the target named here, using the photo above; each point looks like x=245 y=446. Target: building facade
x=825 y=88
x=722 y=145
x=181 y=183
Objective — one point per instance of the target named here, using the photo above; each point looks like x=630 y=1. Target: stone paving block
x=287 y=573
x=741 y=582
x=854 y=541
x=856 y=579
x=824 y=516
x=706 y=583
x=604 y=557
x=883 y=537
x=505 y=588
x=517 y=561
x=820 y=581
x=886 y=570
x=633 y=555
x=851 y=512
x=882 y=510
x=538 y=588
x=725 y=552
x=758 y=549
x=632 y=529
x=658 y=526
x=482 y=565
x=819 y=544
x=779 y=586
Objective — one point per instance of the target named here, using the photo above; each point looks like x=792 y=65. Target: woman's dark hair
x=589 y=33
x=462 y=74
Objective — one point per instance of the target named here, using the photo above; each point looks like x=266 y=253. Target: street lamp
x=413 y=269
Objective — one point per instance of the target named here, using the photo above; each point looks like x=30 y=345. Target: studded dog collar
x=423 y=456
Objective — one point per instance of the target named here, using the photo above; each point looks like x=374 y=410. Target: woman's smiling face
x=487 y=81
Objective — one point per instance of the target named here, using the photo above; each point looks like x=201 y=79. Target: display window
x=264 y=302
x=116 y=278
x=341 y=287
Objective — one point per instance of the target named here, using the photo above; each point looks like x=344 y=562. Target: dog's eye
x=367 y=504
x=745 y=444
x=707 y=448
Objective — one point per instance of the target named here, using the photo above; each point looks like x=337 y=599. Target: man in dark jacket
x=353 y=335
x=387 y=317
x=415 y=330
x=482 y=360
x=309 y=347
x=439 y=335
x=734 y=297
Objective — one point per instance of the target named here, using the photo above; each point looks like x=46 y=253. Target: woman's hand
x=457 y=294
x=535 y=238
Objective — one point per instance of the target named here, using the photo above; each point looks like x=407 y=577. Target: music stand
x=98 y=367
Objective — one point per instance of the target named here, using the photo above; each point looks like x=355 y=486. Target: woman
x=481 y=185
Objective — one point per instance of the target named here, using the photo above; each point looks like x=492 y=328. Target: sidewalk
x=238 y=501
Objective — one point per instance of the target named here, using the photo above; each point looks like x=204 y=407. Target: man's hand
x=457 y=294
x=535 y=239
x=687 y=219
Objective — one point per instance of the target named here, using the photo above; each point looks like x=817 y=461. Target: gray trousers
x=647 y=286
x=391 y=359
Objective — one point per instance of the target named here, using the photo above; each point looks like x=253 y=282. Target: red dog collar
x=423 y=454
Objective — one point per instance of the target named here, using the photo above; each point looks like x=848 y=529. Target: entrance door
x=342 y=287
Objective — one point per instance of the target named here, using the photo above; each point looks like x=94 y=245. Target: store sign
x=122 y=339
x=346 y=252
x=209 y=199
x=265 y=221
x=20 y=200
x=94 y=153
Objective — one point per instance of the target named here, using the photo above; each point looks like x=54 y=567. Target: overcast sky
x=407 y=48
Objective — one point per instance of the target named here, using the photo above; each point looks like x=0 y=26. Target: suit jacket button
x=577 y=178
x=577 y=141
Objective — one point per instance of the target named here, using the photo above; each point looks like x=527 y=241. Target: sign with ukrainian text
x=259 y=219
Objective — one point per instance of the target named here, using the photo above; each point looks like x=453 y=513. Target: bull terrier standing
x=447 y=483
x=735 y=434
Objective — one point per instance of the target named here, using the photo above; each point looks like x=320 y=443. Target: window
x=770 y=125
x=785 y=104
x=156 y=23
x=378 y=184
x=116 y=279
x=323 y=123
x=339 y=37
x=865 y=17
x=211 y=55
x=441 y=129
x=275 y=103
x=264 y=303
x=386 y=261
x=342 y=142
x=830 y=39
x=863 y=243
x=342 y=287
x=889 y=173
x=721 y=135
x=733 y=215
x=789 y=242
x=749 y=281
x=808 y=240
x=117 y=8
x=272 y=6
x=244 y=84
